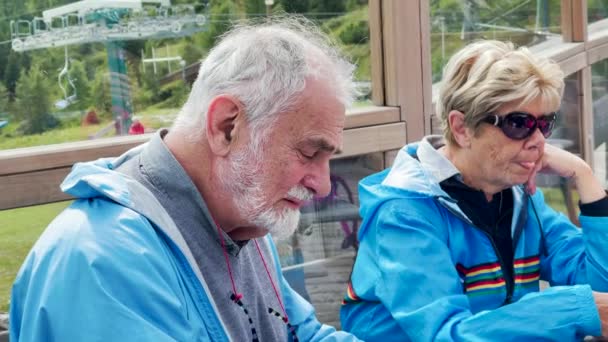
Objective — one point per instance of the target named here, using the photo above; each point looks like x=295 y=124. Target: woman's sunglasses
x=520 y=125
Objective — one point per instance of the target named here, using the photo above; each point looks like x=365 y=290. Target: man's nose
x=318 y=180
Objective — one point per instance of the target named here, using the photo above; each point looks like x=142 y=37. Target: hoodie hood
x=98 y=179
x=416 y=172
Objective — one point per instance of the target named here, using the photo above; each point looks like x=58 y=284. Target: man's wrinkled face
x=247 y=184
x=291 y=165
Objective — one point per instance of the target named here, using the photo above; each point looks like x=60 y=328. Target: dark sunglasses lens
x=546 y=124
x=518 y=125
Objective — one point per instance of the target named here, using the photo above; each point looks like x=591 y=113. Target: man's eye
x=308 y=155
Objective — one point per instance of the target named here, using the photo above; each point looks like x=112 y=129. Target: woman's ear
x=223 y=117
x=462 y=134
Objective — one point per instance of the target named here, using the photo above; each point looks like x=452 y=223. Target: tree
x=291 y=6
x=220 y=15
x=34 y=101
x=354 y=32
x=352 y=5
x=101 y=90
x=3 y=99
x=255 y=7
x=191 y=53
x=335 y=7
x=11 y=73
x=4 y=53
x=83 y=90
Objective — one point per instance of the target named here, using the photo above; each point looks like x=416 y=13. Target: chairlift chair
x=67 y=100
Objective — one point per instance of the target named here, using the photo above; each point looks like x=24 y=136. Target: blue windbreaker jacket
x=425 y=273
x=114 y=267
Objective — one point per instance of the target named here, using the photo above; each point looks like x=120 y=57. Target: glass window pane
x=597 y=10
x=599 y=72
x=558 y=192
x=62 y=80
x=456 y=23
x=318 y=258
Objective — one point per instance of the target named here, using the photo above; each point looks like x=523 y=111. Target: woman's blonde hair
x=488 y=74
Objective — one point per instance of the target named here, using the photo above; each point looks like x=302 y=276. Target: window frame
x=401 y=110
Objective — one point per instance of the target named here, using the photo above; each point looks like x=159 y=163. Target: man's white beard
x=245 y=184
x=282 y=223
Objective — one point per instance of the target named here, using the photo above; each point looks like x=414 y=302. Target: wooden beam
x=371 y=116
x=41 y=185
x=376 y=53
x=579 y=20
x=597 y=53
x=574 y=63
x=555 y=49
x=586 y=103
x=389 y=157
x=427 y=65
x=574 y=20
x=597 y=33
x=371 y=139
x=566 y=21
x=32 y=188
x=403 y=62
x=62 y=155
x=40 y=158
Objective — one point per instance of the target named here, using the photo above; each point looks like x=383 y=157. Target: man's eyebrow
x=324 y=145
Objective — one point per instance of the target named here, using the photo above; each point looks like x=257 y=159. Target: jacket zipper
x=508 y=282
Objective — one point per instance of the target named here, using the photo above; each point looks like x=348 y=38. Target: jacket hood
x=408 y=177
x=99 y=179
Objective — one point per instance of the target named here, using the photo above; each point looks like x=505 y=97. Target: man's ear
x=462 y=134
x=223 y=117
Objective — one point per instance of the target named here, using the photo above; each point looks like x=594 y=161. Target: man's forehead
x=324 y=144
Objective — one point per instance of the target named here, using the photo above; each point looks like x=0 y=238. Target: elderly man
x=169 y=241
x=455 y=236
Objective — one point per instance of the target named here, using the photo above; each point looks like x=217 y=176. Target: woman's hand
x=555 y=161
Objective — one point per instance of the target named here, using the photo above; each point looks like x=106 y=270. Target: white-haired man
x=169 y=241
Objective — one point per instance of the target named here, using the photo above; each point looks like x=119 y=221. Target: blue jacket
x=114 y=267
x=425 y=273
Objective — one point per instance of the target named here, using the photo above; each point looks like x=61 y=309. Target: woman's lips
x=527 y=165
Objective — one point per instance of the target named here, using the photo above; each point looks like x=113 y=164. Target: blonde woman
x=456 y=237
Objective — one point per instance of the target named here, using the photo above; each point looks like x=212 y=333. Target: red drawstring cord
x=219 y=232
x=240 y=295
x=276 y=293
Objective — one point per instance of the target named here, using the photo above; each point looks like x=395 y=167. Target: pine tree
x=34 y=101
x=335 y=7
x=221 y=14
x=290 y=6
x=3 y=100
x=11 y=73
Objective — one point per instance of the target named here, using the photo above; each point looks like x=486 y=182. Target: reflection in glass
x=599 y=72
x=558 y=192
x=63 y=80
x=456 y=23
x=317 y=259
x=597 y=10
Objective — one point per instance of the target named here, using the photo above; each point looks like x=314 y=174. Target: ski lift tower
x=110 y=22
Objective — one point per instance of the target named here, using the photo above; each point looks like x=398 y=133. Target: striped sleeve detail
x=351 y=296
x=526 y=270
x=482 y=279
